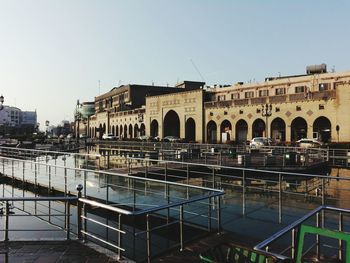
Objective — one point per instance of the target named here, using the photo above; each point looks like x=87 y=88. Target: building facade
x=313 y=105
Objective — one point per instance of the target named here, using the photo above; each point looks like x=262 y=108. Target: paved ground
x=50 y=252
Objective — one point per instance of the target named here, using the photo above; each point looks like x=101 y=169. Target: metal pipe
x=119 y=236
x=279 y=198
x=68 y=220
x=148 y=239
x=6 y=221
x=340 y=242
x=181 y=228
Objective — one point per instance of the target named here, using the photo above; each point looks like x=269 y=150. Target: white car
x=308 y=143
x=109 y=136
x=258 y=142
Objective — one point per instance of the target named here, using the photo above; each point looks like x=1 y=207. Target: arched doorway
x=259 y=128
x=136 y=131
x=298 y=129
x=100 y=131
x=278 y=130
x=241 y=131
x=225 y=131
x=130 y=131
x=171 y=124
x=142 y=129
x=211 y=132
x=322 y=128
x=121 y=131
x=125 y=133
x=190 y=130
x=116 y=131
x=113 y=132
x=154 y=128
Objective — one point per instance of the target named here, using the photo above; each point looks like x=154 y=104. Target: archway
x=116 y=131
x=125 y=133
x=259 y=128
x=225 y=131
x=142 y=129
x=298 y=129
x=190 y=130
x=154 y=128
x=241 y=131
x=113 y=132
x=171 y=124
x=322 y=129
x=121 y=131
x=130 y=131
x=211 y=132
x=278 y=130
x=100 y=131
x=136 y=131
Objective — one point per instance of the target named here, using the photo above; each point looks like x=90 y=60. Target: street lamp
x=266 y=111
x=1 y=102
x=77 y=120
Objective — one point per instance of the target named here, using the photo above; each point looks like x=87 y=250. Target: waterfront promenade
x=251 y=210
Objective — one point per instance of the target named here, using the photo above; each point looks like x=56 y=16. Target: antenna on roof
x=195 y=67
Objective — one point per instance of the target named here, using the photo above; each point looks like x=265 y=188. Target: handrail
x=149 y=210
x=260 y=247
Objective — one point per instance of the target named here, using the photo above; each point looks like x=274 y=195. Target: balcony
x=318 y=95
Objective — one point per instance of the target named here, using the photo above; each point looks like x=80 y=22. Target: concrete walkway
x=50 y=252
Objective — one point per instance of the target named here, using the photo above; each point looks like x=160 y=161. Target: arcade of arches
x=277 y=130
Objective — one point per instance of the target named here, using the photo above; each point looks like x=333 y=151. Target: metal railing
x=161 y=206
x=319 y=220
x=10 y=210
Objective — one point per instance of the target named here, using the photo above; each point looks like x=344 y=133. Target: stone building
x=312 y=105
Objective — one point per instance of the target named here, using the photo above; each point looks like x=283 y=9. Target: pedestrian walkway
x=51 y=252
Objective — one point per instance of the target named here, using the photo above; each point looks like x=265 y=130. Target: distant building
x=15 y=121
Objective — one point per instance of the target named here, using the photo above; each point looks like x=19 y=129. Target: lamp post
x=47 y=123
x=1 y=102
x=266 y=111
x=77 y=121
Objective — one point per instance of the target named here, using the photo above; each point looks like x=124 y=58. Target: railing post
x=279 y=198
x=209 y=214
x=85 y=222
x=294 y=244
x=323 y=200
x=148 y=238
x=243 y=192
x=341 y=245
x=181 y=228
x=213 y=178
x=6 y=221
x=219 y=214
x=318 y=237
x=79 y=210
x=68 y=219
x=119 y=236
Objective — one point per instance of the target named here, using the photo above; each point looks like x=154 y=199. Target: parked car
x=171 y=139
x=109 y=136
x=308 y=143
x=258 y=142
x=145 y=138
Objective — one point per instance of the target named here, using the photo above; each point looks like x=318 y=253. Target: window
x=249 y=94
x=221 y=97
x=225 y=112
x=300 y=89
x=321 y=107
x=323 y=86
x=211 y=114
x=258 y=110
x=235 y=96
x=240 y=111
x=263 y=93
x=277 y=109
x=298 y=108
x=280 y=91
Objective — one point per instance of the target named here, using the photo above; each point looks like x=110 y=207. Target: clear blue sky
x=55 y=52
